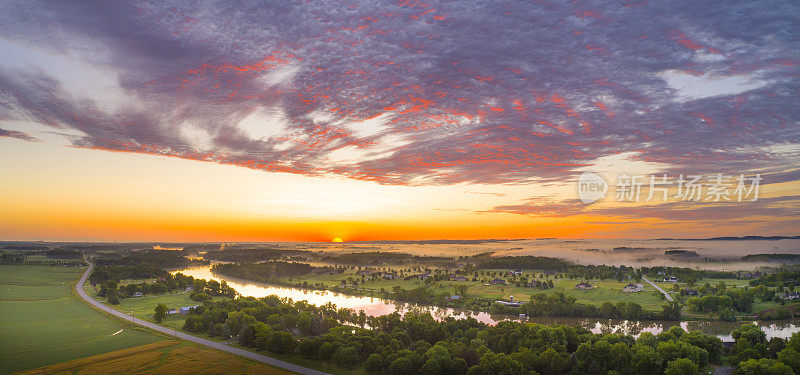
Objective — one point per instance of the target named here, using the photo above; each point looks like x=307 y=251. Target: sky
x=315 y=120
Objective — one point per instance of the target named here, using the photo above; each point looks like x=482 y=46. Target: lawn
x=44 y=324
x=165 y=357
x=607 y=291
x=143 y=307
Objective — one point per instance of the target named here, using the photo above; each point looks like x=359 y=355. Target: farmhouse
x=497 y=281
x=510 y=302
x=791 y=295
x=185 y=310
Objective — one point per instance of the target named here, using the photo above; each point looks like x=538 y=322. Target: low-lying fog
x=714 y=254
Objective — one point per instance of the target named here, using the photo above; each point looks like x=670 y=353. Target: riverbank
x=374 y=306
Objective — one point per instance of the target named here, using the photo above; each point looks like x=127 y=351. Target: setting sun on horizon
x=377 y=133
x=400 y=187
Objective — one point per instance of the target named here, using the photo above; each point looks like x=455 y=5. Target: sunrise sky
x=311 y=121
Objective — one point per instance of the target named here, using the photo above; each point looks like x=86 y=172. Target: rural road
x=212 y=344
x=669 y=298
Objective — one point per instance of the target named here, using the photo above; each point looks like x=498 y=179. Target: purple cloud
x=406 y=93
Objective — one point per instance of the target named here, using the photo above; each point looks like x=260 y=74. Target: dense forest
x=250 y=255
x=266 y=272
x=149 y=258
x=376 y=258
x=416 y=343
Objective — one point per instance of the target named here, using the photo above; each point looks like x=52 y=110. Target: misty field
x=43 y=324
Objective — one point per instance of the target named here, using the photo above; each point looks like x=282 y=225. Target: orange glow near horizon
x=68 y=194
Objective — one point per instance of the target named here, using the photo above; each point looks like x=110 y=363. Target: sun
x=337 y=239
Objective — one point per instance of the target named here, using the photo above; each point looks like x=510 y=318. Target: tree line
x=416 y=343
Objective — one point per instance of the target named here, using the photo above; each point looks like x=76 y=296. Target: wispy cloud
x=446 y=92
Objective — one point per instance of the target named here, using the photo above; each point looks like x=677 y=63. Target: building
x=689 y=292
x=137 y=294
x=497 y=281
x=632 y=288
x=173 y=311
x=791 y=295
x=454 y=297
x=584 y=285
x=510 y=302
x=671 y=279
x=460 y=278
x=185 y=310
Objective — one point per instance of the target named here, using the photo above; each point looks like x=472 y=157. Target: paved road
x=669 y=297
x=212 y=344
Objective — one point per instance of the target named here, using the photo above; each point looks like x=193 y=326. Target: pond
x=374 y=306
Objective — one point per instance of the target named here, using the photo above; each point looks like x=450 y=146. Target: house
x=632 y=288
x=389 y=276
x=137 y=294
x=584 y=285
x=454 y=297
x=189 y=288
x=365 y=272
x=515 y=272
x=185 y=310
x=791 y=295
x=509 y=303
x=689 y=292
x=460 y=278
x=671 y=279
x=497 y=281
x=172 y=311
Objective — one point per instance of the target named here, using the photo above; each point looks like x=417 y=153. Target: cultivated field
x=166 y=357
x=43 y=324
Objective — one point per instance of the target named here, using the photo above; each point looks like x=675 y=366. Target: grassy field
x=607 y=291
x=166 y=357
x=143 y=307
x=44 y=324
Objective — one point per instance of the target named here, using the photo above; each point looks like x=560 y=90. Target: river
x=373 y=306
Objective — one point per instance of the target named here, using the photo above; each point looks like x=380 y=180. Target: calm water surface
x=376 y=306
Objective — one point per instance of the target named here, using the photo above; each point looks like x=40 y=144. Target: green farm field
x=44 y=324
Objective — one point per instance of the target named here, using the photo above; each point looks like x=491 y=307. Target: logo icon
x=591 y=187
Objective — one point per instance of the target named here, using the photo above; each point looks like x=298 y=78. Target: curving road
x=212 y=344
x=669 y=297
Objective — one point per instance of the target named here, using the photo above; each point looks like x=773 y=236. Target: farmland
x=43 y=324
x=165 y=357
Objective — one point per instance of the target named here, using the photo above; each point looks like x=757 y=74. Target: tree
x=347 y=357
x=791 y=358
x=763 y=366
x=682 y=366
x=281 y=342
x=374 y=364
x=160 y=312
x=402 y=366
